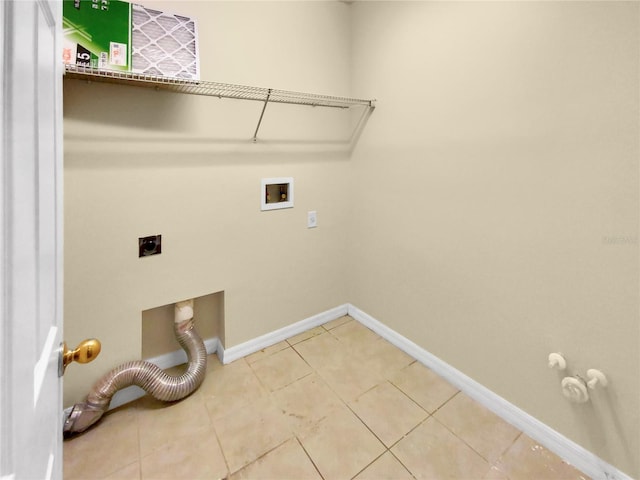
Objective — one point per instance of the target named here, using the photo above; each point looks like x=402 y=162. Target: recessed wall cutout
x=151 y=245
x=158 y=337
x=276 y=193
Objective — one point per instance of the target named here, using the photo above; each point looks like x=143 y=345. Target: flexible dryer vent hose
x=147 y=376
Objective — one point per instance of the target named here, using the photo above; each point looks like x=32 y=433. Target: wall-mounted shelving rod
x=264 y=107
x=215 y=89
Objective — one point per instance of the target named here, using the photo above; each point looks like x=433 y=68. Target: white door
x=30 y=240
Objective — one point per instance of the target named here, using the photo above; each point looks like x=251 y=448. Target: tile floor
x=336 y=402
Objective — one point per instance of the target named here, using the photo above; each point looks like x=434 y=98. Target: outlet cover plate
x=312 y=219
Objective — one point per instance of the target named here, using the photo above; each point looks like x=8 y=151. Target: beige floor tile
x=162 y=422
x=383 y=357
x=306 y=402
x=130 y=472
x=213 y=361
x=387 y=467
x=355 y=336
x=265 y=352
x=230 y=387
x=250 y=432
x=526 y=459
x=107 y=447
x=426 y=388
x=313 y=332
x=288 y=461
x=482 y=429
x=341 y=446
x=323 y=350
x=281 y=369
x=495 y=474
x=337 y=322
x=431 y=451
x=388 y=412
x=196 y=457
x=216 y=368
x=350 y=380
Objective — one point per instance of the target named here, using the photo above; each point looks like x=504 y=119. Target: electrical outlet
x=312 y=219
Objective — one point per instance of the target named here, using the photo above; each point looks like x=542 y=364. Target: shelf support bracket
x=264 y=107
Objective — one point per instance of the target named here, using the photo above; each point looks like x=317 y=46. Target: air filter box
x=118 y=35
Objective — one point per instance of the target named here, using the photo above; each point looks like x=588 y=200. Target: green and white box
x=117 y=35
x=97 y=34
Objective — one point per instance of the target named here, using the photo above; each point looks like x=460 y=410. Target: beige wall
x=489 y=211
x=495 y=204
x=140 y=162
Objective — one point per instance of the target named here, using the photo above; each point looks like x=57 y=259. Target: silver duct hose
x=145 y=375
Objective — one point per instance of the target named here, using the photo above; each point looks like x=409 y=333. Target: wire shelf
x=213 y=89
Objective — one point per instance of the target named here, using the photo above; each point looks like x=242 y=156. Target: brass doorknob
x=85 y=352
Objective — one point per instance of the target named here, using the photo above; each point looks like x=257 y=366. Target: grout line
x=512 y=443
x=224 y=457
x=308 y=456
x=371 y=463
x=445 y=402
x=344 y=323
x=288 y=340
x=261 y=456
x=463 y=441
x=266 y=387
x=506 y=450
x=369 y=390
x=300 y=355
x=403 y=465
x=408 y=396
x=367 y=426
x=304 y=360
x=409 y=433
x=306 y=340
x=290 y=383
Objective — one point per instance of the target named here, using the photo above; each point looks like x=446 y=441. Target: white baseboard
x=168 y=360
x=242 y=350
x=565 y=448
